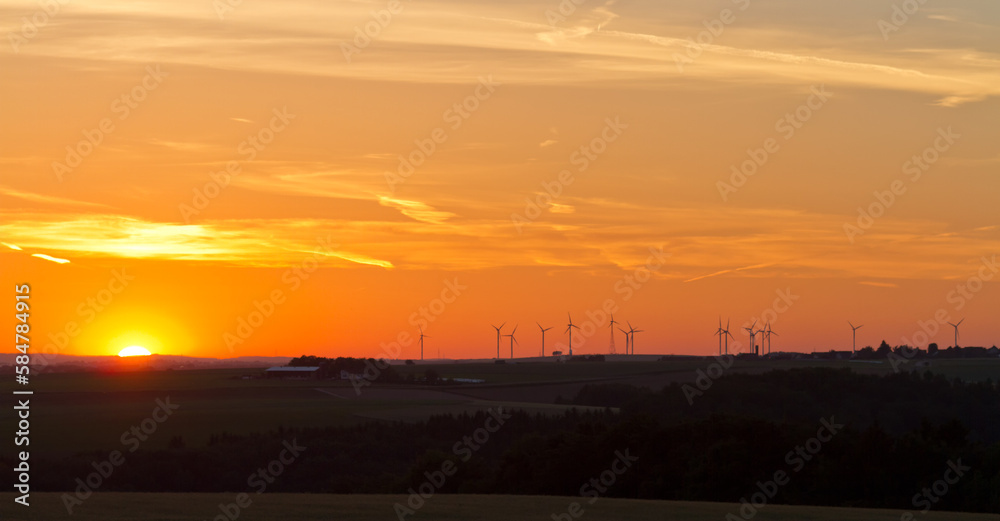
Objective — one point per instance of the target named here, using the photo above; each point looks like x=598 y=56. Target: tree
x=932 y=348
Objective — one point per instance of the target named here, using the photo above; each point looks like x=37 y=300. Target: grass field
x=299 y=507
x=216 y=401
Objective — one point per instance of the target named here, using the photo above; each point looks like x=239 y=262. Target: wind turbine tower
x=569 y=329
x=422 y=337
x=611 y=326
x=632 y=331
x=753 y=336
x=768 y=331
x=513 y=341
x=543 y=329
x=956 y=329
x=854 y=336
x=720 y=333
x=727 y=334
x=498 y=338
x=627 y=343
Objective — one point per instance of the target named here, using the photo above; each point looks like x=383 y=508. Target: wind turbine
x=753 y=335
x=720 y=333
x=626 y=339
x=422 y=337
x=569 y=329
x=854 y=336
x=611 y=326
x=956 y=329
x=727 y=334
x=768 y=331
x=498 y=338
x=544 y=329
x=513 y=341
x=632 y=331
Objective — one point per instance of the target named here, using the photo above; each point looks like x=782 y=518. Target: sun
x=134 y=351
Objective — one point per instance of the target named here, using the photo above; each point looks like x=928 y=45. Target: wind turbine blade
x=960 y=322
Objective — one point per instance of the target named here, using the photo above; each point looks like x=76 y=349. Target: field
x=297 y=507
x=216 y=401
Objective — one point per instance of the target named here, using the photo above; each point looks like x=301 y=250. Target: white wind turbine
x=632 y=331
x=611 y=326
x=422 y=337
x=498 y=338
x=512 y=341
x=956 y=329
x=854 y=336
x=543 y=329
x=768 y=332
x=569 y=329
x=753 y=336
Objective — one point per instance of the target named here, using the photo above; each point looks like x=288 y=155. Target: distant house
x=292 y=372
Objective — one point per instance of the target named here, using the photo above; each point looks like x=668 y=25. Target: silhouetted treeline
x=932 y=353
x=898 y=436
x=377 y=370
x=898 y=403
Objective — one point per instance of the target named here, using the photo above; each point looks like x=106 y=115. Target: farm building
x=292 y=372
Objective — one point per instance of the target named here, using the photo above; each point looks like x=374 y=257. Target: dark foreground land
x=840 y=435
x=304 y=507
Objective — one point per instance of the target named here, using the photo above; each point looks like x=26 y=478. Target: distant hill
x=67 y=363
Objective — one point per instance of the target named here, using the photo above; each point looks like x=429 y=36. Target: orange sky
x=636 y=130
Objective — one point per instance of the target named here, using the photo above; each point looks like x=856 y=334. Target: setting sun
x=134 y=351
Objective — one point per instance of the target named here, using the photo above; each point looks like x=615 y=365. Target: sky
x=237 y=178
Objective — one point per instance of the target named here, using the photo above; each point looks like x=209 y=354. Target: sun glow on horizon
x=134 y=351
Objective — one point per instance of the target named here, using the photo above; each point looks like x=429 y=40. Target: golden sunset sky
x=121 y=118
